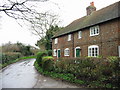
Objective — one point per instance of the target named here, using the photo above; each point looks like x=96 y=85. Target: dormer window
x=79 y=34
x=69 y=37
x=94 y=31
x=56 y=40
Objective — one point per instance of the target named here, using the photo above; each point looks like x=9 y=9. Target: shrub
x=47 y=63
x=39 y=57
x=49 y=52
x=103 y=72
x=9 y=56
x=91 y=69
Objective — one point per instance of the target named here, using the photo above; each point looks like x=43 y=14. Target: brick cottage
x=96 y=34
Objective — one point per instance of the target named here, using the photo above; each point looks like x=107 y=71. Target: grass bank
x=16 y=60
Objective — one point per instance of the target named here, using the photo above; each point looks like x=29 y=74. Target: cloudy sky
x=68 y=10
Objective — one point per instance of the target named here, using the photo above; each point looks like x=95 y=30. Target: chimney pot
x=91 y=8
x=92 y=3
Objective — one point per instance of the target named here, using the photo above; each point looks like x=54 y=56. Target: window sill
x=79 y=37
x=94 y=35
x=66 y=55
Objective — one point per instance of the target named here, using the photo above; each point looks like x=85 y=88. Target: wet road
x=23 y=75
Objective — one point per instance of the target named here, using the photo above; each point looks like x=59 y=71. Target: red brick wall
x=108 y=40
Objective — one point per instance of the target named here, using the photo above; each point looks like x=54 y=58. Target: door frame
x=75 y=51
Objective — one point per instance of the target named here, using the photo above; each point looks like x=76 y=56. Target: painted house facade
x=96 y=34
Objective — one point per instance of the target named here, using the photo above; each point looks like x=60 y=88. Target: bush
x=105 y=70
x=96 y=72
x=49 y=52
x=9 y=56
x=47 y=63
x=39 y=57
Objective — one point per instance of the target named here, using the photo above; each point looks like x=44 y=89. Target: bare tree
x=23 y=10
x=42 y=23
x=18 y=9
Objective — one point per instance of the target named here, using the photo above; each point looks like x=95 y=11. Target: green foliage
x=7 y=57
x=49 y=52
x=48 y=63
x=47 y=40
x=39 y=57
x=24 y=50
x=93 y=72
x=2 y=65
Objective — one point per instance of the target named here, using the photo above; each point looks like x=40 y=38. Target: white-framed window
x=94 y=31
x=79 y=34
x=69 y=37
x=56 y=40
x=66 y=52
x=54 y=52
x=93 y=51
x=119 y=50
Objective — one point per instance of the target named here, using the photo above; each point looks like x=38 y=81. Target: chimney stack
x=90 y=8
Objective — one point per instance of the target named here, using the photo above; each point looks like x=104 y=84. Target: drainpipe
x=73 y=44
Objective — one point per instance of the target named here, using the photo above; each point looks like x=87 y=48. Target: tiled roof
x=100 y=16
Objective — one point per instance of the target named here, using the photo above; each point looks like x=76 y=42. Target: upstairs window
x=56 y=40
x=79 y=34
x=54 y=52
x=69 y=37
x=93 y=51
x=94 y=31
x=66 y=52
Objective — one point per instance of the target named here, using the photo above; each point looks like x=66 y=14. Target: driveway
x=23 y=75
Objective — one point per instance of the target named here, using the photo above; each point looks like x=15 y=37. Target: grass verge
x=16 y=60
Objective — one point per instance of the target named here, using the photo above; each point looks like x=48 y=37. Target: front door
x=58 y=54
x=78 y=52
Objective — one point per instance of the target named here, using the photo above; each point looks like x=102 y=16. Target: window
x=79 y=34
x=54 y=52
x=66 y=52
x=93 y=51
x=56 y=40
x=94 y=31
x=69 y=37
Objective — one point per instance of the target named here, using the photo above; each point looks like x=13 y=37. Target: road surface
x=23 y=75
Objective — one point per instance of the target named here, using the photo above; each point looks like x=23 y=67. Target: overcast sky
x=68 y=10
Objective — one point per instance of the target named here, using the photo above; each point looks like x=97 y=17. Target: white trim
x=90 y=52
x=94 y=28
x=57 y=53
x=79 y=34
x=65 y=52
x=119 y=50
x=75 y=50
x=54 y=52
x=69 y=37
x=56 y=41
